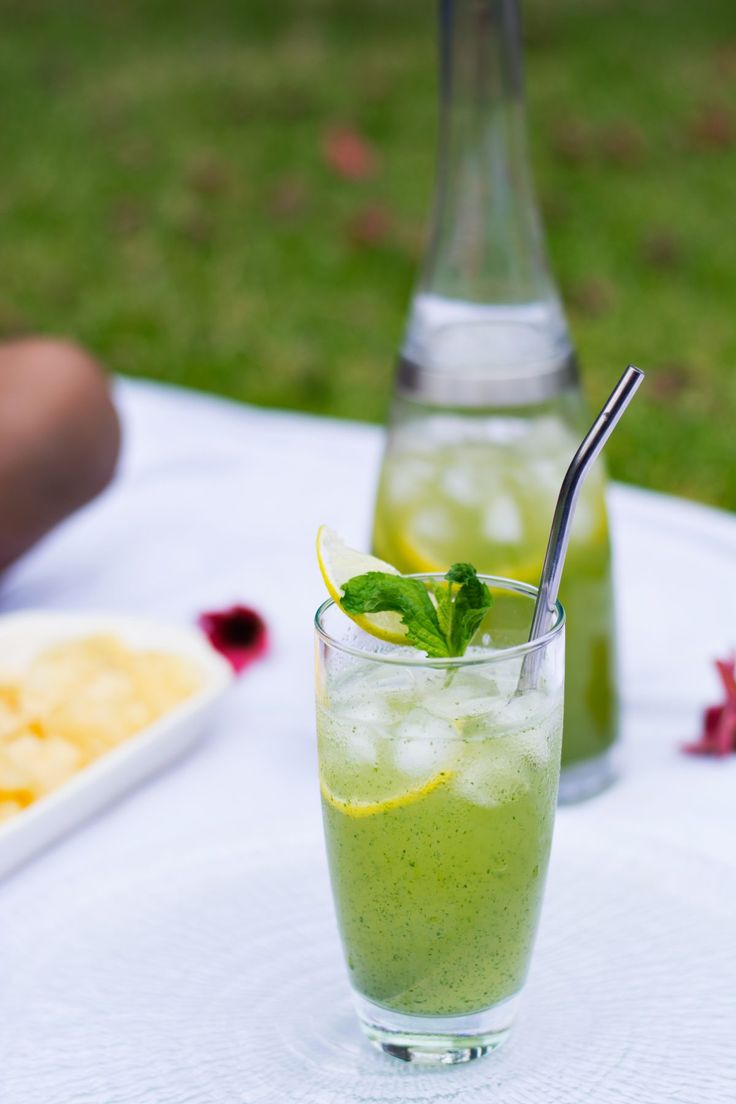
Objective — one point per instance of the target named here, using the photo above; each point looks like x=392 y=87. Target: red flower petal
x=727 y=670
x=718 y=735
x=711 y=720
x=349 y=154
x=239 y=634
x=725 y=735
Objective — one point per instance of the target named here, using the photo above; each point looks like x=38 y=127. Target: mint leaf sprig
x=442 y=628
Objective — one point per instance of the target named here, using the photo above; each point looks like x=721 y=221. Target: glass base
x=436 y=1040
x=587 y=778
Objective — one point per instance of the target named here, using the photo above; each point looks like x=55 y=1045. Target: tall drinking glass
x=439 y=781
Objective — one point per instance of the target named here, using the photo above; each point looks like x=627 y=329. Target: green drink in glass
x=439 y=782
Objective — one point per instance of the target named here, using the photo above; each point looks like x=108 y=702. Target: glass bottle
x=488 y=410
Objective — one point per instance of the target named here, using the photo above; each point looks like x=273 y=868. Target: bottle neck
x=485 y=268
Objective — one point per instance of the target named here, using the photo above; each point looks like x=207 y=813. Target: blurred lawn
x=165 y=196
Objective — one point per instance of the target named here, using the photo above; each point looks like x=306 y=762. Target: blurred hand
x=59 y=438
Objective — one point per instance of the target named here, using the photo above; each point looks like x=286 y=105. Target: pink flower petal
x=349 y=154
x=718 y=734
x=238 y=633
x=727 y=670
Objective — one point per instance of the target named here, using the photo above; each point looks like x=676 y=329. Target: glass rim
x=499 y=656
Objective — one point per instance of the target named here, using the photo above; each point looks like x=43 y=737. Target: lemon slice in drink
x=339 y=563
x=397 y=801
x=423 y=560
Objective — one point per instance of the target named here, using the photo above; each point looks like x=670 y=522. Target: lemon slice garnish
x=421 y=560
x=339 y=563
x=371 y=808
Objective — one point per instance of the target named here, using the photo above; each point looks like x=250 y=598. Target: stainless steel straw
x=559 y=537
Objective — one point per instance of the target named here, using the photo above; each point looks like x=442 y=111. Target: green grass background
x=165 y=198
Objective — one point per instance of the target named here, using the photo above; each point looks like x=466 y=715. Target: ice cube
x=408 y=476
x=421 y=725
x=546 y=475
x=455 y=706
x=494 y=775
x=392 y=682
x=424 y=745
x=431 y=522
x=419 y=758
x=371 y=696
x=361 y=709
x=541 y=739
x=461 y=484
x=535 y=744
x=502 y=521
x=552 y=436
x=360 y=746
x=464 y=694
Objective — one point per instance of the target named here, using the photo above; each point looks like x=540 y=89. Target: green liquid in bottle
x=488 y=498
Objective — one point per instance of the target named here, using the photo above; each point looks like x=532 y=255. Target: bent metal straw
x=559 y=538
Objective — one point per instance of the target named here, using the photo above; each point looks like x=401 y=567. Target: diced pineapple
x=76 y=701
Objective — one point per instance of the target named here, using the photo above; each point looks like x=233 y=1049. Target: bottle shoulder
x=476 y=354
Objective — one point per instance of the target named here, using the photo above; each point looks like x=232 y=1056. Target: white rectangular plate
x=23 y=635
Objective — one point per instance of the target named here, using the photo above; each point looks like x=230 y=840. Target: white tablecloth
x=180 y=948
